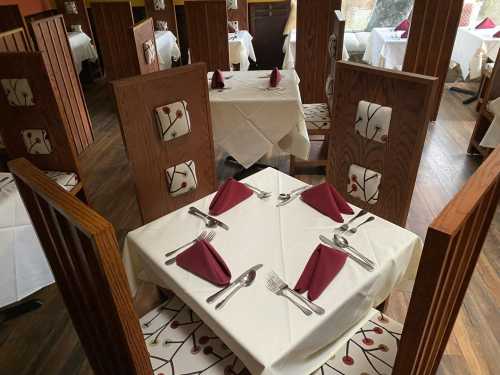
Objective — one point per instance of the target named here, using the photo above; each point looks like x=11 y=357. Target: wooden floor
x=44 y=342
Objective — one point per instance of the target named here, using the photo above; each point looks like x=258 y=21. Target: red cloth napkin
x=275 y=77
x=327 y=200
x=321 y=268
x=204 y=261
x=487 y=23
x=497 y=35
x=217 y=80
x=229 y=195
x=403 y=26
x=404 y=35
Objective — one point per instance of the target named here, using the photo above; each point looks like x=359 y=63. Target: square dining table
x=251 y=120
x=386 y=48
x=268 y=334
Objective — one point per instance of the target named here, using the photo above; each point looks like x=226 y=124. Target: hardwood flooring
x=44 y=342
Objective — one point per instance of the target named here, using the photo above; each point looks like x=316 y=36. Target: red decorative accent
x=349 y=361
x=184 y=184
x=175 y=324
x=383 y=347
x=354 y=187
x=367 y=341
x=178 y=114
x=195 y=349
x=354 y=178
x=378 y=330
x=166 y=109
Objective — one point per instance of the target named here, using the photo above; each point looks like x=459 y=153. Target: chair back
x=335 y=53
x=167 y=130
x=75 y=15
x=162 y=11
x=11 y=18
x=82 y=251
x=143 y=38
x=452 y=248
x=207 y=32
x=493 y=89
x=14 y=40
x=380 y=120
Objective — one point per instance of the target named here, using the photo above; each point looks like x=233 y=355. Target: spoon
x=261 y=194
x=355 y=229
x=247 y=281
x=209 y=222
x=287 y=196
x=344 y=244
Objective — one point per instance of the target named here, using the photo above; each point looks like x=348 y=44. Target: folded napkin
x=203 y=260
x=229 y=195
x=217 y=80
x=496 y=35
x=487 y=23
x=327 y=200
x=321 y=268
x=275 y=77
x=403 y=26
x=404 y=35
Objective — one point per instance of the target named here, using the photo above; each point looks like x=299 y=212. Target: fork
x=209 y=237
x=277 y=288
x=260 y=193
x=345 y=226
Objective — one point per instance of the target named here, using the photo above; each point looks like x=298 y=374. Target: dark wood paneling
x=50 y=37
x=267 y=22
x=14 y=41
x=207 y=32
x=410 y=97
x=240 y=14
x=433 y=29
x=149 y=155
x=81 y=18
x=167 y=14
x=82 y=250
x=141 y=33
x=312 y=63
x=11 y=18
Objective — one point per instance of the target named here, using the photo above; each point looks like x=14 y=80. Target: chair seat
x=317 y=116
x=180 y=343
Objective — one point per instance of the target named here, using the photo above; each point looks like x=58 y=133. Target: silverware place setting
x=203 y=236
x=246 y=281
x=353 y=254
x=285 y=198
x=345 y=227
x=261 y=194
x=210 y=222
x=355 y=229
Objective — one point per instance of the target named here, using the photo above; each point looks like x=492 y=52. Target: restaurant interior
x=249 y=187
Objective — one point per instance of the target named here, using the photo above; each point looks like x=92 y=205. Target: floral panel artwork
x=173 y=120
x=18 y=92
x=373 y=121
x=181 y=178
x=70 y=7
x=159 y=4
x=36 y=141
x=149 y=52
x=363 y=184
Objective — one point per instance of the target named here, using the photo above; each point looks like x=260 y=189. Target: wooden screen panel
x=207 y=32
x=14 y=41
x=113 y=21
x=80 y=18
x=337 y=52
x=312 y=62
x=141 y=33
x=149 y=156
x=493 y=89
x=50 y=37
x=452 y=248
x=82 y=250
x=434 y=26
x=410 y=97
x=167 y=14
x=240 y=14
x=45 y=114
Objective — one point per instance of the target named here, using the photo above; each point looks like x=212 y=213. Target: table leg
x=15 y=311
x=474 y=95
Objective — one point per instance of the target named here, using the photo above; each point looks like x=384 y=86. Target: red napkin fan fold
x=204 y=261
x=403 y=26
x=321 y=268
x=229 y=195
x=275 y=78
x=487 y=23
x=404 y=35
x=328 y=201
x=217 y=80
x=496 y=35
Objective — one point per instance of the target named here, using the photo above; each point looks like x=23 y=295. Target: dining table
x=82 y=48
x=241 y=49
x=386 y=48
x=250 y=119
x=266 y=332
x=167 y=48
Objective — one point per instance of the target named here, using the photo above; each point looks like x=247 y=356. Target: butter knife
x=361 y=262
x=218 y=222
x=216 y=295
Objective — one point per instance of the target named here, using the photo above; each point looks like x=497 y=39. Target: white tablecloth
x=265 y=331
x=81 y=48
x=241 y=49
x=167 y=48
x=471 y=49
x=23 y=267
x=250 y=121
x=386 y=48
x=492 y=137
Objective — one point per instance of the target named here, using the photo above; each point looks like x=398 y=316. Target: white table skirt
x=23 y=266
x=241 y=49
x=266 y=332
x=81 y=48
x=471 y=49
x=250 y=121
x=386 y=48
x=167 y=48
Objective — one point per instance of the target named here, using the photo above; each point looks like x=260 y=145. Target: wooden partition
x=83 y=254
x=207 y=32
x=240 y=14
x=11 y=18
x=189 y=151
x=81 y=17
x=312 y=63
x=167 y=14
x=396 y=155
x=50 y=37
x=143 y=37
x=14 y=40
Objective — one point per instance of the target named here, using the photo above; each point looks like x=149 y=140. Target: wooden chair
x=167 y=14
x=167 y=129
x=143 y=37
x=318 y=115
x=11 y=18
x=82 y=250
x=380 y=122
x=15 y=40
x=75 y=14
x=207 y=32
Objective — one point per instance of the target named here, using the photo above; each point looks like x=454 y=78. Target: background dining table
x=167 y=48
x=82 y=48
x=241 y=49
x=386 y=48
x=267 y=333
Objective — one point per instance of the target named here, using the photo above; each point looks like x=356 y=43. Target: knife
x=361 y=262
x=218 y=222
x=214 y=296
